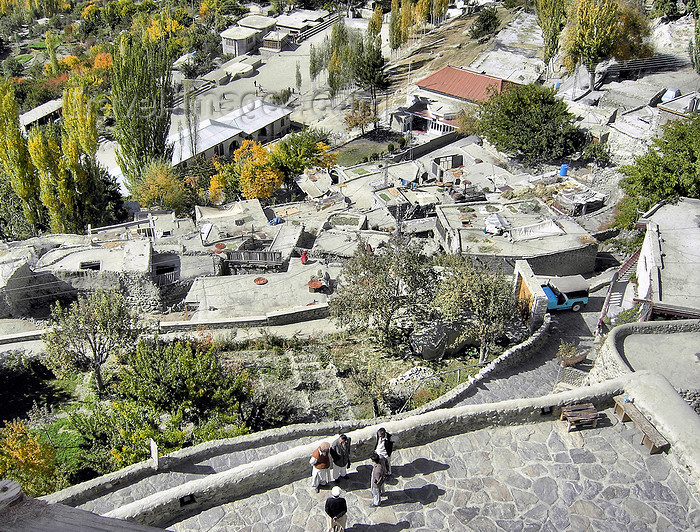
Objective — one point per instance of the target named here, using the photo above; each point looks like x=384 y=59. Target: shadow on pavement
x=383 y=527
x=420 y=466
x=194 y=468
x=425 y=495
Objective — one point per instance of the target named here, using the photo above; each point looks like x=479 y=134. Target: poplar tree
x=374 y=26
x=407 y=20
x=15 y=159
x=395 y=35
x=602 y=29
x=550 y=16
x=142 y=98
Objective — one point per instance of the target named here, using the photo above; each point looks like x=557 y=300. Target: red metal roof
x=462 y=84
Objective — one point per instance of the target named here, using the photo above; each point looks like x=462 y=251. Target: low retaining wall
x=651 y=392
x=610 y=363
x=279 y=317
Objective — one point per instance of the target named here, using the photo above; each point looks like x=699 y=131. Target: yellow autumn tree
x=55 y=183
x=14 y=156
x=217 y=184
x=161 y=187
x=258 y=177
x=24 y=459
x=374 y=26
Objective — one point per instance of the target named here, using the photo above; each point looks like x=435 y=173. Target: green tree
x=529 y=121
x=482 y=298
x=376 y=287
x=298 y=78
x=395 y=34
x=184 y=379
x=665 y=8
x=374 y=26
x=52 y=41
x=550 y=16
x=142 y=96
x=485 y=24
x=369 y=70
x=670 y=169
x=84 y=335
x=602 y=29
x=298 y=151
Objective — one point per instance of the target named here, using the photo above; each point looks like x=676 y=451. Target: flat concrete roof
x=344 y=243
x=233 y=221
x=40 y=112
x=679 y=240
x=675 y=356
x=125 y=256
x=238 y=33
x=535 y=230
x=258 y=22
x=235 y=296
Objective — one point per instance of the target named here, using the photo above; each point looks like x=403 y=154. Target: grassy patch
x=38 y=45
x=24 y=58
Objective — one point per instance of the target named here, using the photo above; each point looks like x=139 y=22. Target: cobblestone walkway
x=185 y=473
x=528 y=477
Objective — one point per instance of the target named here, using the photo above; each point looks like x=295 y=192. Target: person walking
x=337 y=511
x=340 y=453
x=379 y=468
x=321 y=462
x=384 y=447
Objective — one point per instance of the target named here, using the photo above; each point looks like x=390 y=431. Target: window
x=90 y=265
x=167 y=233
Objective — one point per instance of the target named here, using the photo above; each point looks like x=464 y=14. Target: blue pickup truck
x=566 y=293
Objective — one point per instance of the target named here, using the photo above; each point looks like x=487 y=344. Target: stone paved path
x=185 y=473
x=527 y=477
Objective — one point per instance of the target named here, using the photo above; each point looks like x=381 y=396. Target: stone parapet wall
x=653 y=395
x=610 y=362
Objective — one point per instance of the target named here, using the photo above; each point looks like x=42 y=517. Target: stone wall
x=652 y=394
x=692 y=397
x=529 y=292
x=610 y=362
x=278 y=317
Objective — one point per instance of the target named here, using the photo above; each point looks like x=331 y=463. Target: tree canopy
x=377 y=286
x=669 y=169
x=602 y=29
x=84 y=335
x=529 y=121
x=298 y=151
x=484 y=298
x=258 y=176
x=142 y=96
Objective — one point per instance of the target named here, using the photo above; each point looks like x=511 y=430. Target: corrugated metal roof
x=462 y=84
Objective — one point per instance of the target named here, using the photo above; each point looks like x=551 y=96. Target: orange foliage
x=102 y=60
